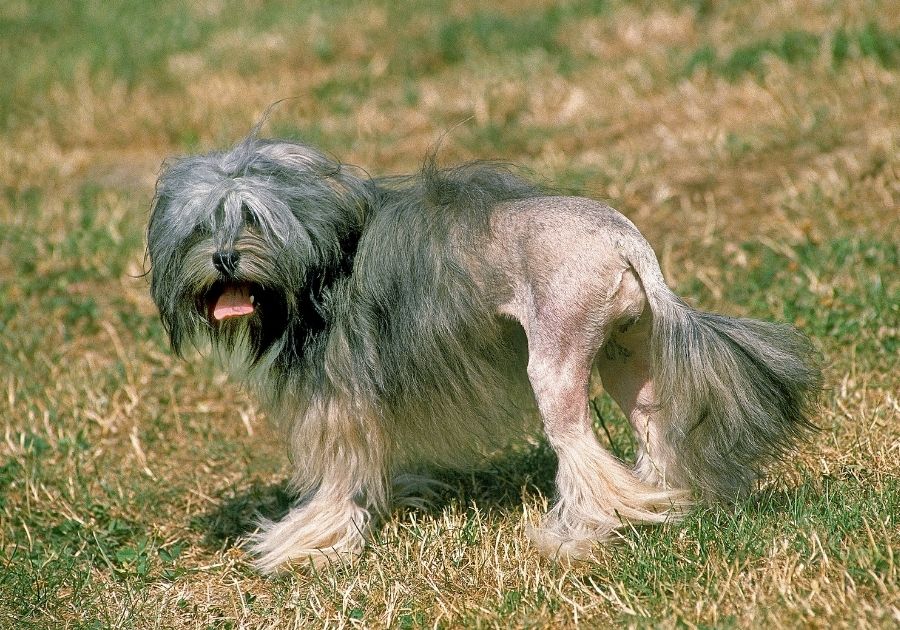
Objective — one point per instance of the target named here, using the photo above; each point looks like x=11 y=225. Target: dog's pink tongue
x=234 y=302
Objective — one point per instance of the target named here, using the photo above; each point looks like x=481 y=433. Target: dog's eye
x=198 y=234
x=249 y=218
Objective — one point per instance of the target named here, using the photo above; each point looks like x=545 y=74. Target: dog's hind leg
x=597 y=492
x=624 y=366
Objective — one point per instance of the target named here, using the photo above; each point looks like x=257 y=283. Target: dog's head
x=244 y=243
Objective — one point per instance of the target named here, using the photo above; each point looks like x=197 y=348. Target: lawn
x=754 y=143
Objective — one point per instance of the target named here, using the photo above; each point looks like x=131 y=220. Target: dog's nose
x=226 y=261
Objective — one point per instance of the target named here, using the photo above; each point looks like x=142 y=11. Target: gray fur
x=735 y=393
x=433 y=318
x=300 y=203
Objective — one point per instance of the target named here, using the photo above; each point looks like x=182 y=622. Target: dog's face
x=240 y=244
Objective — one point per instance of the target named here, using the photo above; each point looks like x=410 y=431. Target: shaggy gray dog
x=394 y=323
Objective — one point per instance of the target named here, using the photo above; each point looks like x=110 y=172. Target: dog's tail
x=732 y=394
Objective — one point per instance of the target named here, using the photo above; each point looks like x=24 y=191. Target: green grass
x=128 y=478
x=800 y=47
x=841 y=292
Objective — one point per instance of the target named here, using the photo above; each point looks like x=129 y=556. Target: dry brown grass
x=126 y=477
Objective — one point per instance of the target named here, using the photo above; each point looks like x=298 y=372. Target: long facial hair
x=274 y=221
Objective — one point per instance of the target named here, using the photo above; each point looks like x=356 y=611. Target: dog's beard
x=236 y=346
x=246 y=324
x=257 y=319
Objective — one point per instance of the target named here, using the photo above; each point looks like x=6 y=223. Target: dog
x=395 y=324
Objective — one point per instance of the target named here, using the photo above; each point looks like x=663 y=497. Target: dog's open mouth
x=233 y=299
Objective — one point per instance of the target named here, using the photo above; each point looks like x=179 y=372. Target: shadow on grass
x=502 y=484
x=238 y=515
x=736 y=528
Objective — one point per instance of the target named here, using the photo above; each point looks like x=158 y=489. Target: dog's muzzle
x=226 y=261
x=230 y=297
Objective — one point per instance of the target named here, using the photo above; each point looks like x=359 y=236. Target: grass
x=798 y=47
x=754 y=143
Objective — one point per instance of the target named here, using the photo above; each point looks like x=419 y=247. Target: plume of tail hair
x=733 y=394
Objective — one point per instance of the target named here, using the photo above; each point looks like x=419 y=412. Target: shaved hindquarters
x=559 y=266
x=597 y=492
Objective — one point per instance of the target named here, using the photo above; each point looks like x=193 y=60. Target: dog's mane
x=407 y=309
x=409 y=312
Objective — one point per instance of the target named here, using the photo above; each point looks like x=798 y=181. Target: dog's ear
x=161 y=255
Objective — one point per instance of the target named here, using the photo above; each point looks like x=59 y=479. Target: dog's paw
x=311 y=534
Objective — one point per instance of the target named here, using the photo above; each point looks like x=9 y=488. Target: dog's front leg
x=339 y=475
x=596 y=492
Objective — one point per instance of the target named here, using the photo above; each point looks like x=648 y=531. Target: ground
x=754 y=143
